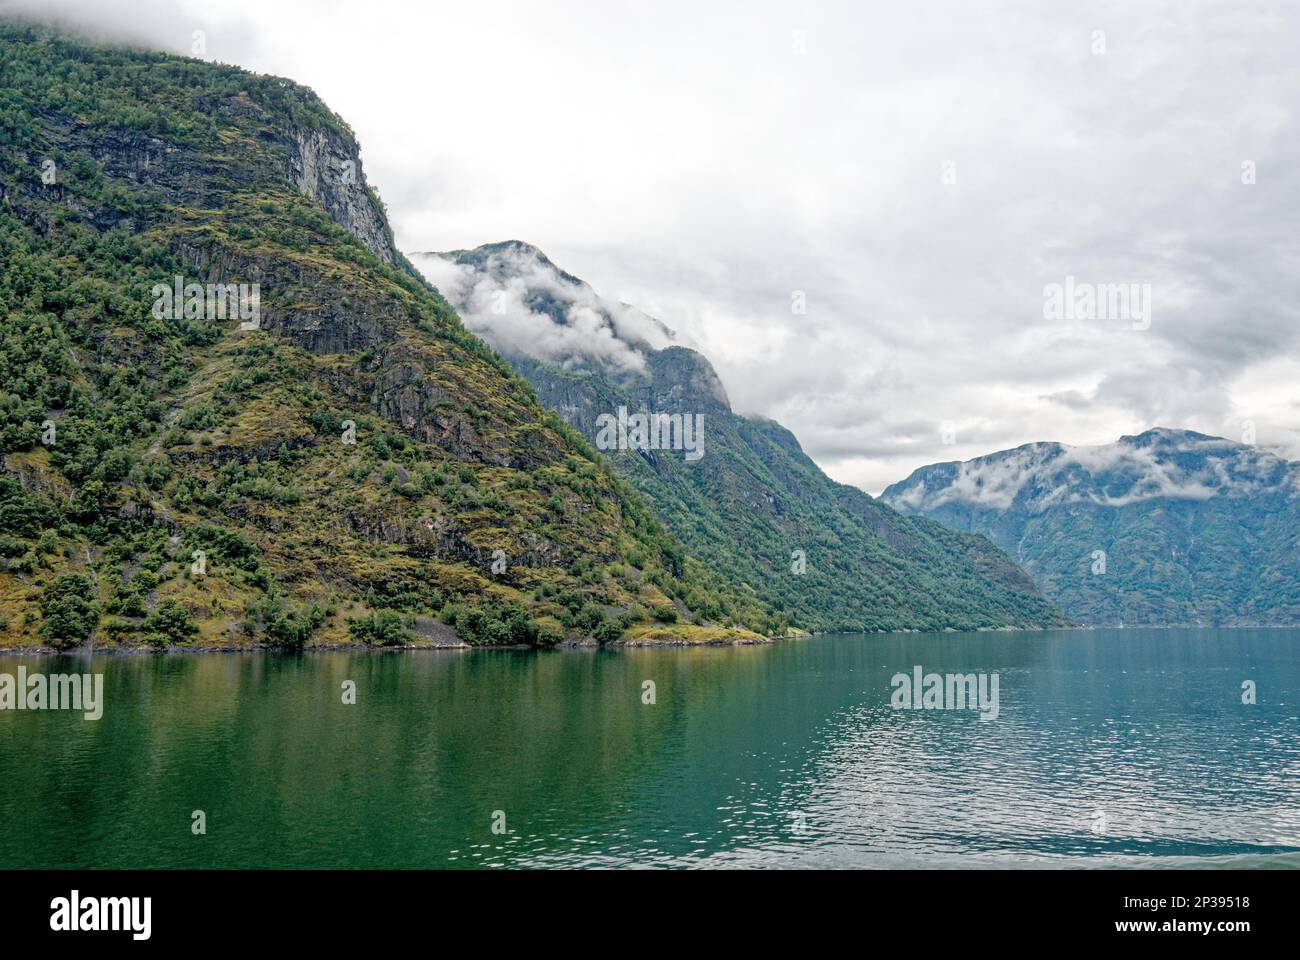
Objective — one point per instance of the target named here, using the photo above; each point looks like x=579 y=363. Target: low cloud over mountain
x=521 y=303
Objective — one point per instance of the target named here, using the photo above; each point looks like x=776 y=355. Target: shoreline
x=144 y=651
x=129 y=651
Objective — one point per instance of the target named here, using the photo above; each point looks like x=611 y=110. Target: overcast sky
x=919 y=172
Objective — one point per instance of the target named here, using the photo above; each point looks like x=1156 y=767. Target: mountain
x=1167 y=527
x=746 y=500
x=231 y=413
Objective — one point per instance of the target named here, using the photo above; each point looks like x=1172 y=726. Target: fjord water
x=1121 y=747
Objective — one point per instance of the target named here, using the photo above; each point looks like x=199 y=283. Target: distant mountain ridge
x=1190 y=528
x=754 y=507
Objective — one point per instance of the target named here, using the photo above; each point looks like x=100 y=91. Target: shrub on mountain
x=509 y=625
x=288 y=628
x=170 y=623
x=608 y=632
x=69 y=610
x=382 y=629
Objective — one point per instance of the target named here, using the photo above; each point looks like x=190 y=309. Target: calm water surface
x=1110 y=748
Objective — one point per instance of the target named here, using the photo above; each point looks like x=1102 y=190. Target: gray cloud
x=706 y=163
x=229 y=36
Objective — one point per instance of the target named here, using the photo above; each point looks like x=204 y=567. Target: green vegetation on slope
x=357 y=468
x=755 y=498
x=754 y=507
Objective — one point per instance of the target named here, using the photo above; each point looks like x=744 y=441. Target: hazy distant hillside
x=753 y=506
x=1166 y=527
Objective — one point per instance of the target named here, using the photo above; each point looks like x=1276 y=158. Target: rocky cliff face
x=326 y=168
x=346 y=463
x=322 y=162
x=681 y=379
x=753 y=506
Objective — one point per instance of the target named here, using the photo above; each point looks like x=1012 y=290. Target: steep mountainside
x=1169 y=527
x=750 y=504
x=302 y=444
